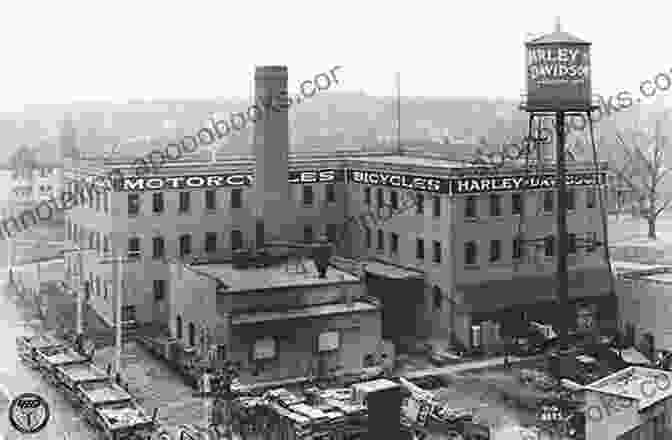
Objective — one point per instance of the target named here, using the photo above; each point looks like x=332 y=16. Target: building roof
x=412 y=161
x=646 y=386
x=390 y=271
x=272 y=277
x=304 y=312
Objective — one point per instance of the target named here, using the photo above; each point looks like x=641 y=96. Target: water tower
x=558 y=85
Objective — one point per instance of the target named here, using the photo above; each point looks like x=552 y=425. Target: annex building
x=442 y=245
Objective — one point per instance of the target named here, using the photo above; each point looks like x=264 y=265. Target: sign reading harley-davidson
x=474 y=185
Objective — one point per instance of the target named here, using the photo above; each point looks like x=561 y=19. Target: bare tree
x=643 y=170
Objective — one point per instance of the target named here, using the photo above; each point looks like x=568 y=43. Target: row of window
x=518 y=203
x=518 y=250
x=471 y=247
x=184 y=201
x=98 y=200
x=97 y=286
x=394 y=201
x=80 y=234
x=394 y=244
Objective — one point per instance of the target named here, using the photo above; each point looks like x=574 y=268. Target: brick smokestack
x=271 y=202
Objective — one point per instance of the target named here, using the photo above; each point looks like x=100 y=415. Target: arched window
x=438 y=298
x=192 y=334
x=178 y=327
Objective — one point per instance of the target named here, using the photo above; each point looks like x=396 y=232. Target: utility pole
x=399 y=112
x=118 y=261
x=79 y=287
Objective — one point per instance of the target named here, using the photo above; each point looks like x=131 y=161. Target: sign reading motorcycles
x=222 y=180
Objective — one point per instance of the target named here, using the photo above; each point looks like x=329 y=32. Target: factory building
x=443 y=245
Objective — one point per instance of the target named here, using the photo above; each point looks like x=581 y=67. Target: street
x=16 y=378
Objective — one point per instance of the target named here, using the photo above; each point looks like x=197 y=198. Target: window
x=236 y=239
x=394 y=243
x=517 y=252
x=548 y=201
x=517 y=204
x=184 y=202
x=331 y=192
x=211 y=199
x=192 y=334
x=159 y=290
x=394 y=200
x=470 y=207
x=133 y=204
x=92 y=240
x=380 y=198
x=106 y=202
x=420 y=249
x=185 y=245
x=570 y=199
x=133 y=247
x=549 y=246
x=381 y=240
x=308 y=233
x=308 y=196
x=99 y=287
x=236 y=198
x=470 y=253
x=591 y=239
x=158 y=247
x=178 y=327
x=420 y=203
x=328 y=341
x=571 y=243
x=264 y=349
x=437 y=206
x=367 y=234
x=437 y=252
x=210 y=242
x=590 y=198
x=157 y=203
x=332 y=233
x=438 y=298
x=367 y=196
x=495 y=250
x=98 y=197
x=495 y=205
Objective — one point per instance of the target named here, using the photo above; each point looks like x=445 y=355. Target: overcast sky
x=60 y=51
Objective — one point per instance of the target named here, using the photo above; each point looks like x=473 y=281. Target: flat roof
x=391 y=271
x=631 y=383
x=620 y=267
x=272 y=277
x=413 y=161
x=304 y=312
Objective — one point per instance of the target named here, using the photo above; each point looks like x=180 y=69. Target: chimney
x=270 y=199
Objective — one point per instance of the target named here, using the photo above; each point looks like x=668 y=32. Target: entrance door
x=160 y=304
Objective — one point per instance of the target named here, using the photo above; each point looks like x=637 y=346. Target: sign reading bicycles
x=418 y=183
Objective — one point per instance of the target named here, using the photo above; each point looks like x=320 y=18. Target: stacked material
x=27 y=347
x=105 y=404
x=124 y=419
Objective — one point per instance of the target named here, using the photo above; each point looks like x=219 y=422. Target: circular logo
x=29 y=413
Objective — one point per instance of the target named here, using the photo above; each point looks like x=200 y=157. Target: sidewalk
x=462 y=367
x=155 y=385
